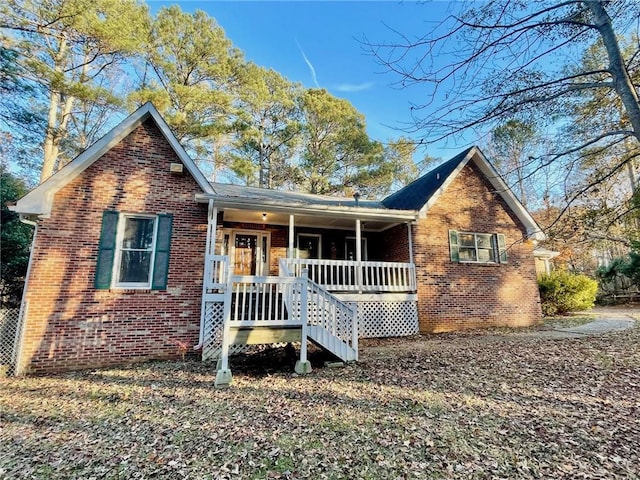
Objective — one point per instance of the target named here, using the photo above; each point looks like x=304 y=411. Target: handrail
x=337 y=317
x=348 y=275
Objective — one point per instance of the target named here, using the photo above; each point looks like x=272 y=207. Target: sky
x=320 y=44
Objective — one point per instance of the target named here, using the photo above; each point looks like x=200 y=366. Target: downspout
x=23 y=302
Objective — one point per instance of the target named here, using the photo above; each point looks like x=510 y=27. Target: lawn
x=464 y=405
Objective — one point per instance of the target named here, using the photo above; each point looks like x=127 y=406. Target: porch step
x=264 y=335
x=324 y=339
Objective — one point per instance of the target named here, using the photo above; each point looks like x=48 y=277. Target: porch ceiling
x=301 y=220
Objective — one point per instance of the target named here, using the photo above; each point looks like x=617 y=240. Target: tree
x=269 y=126
x=65 y=47
x=15 y=240
x=514 y=60
x=512 y=145
x=191 y=75
x=337 y=152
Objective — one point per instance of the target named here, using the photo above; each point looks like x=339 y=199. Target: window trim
x=318 y=236
x=122 y=221
x=365 y=247
x=498 y=254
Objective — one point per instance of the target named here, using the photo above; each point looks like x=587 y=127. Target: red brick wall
x=454 y=296
x=72 y=325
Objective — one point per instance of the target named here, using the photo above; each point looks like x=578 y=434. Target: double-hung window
x=133 y=251
x=472 y=247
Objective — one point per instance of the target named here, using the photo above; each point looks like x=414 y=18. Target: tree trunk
x=621 y=79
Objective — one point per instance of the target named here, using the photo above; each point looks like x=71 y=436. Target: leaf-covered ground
x=465 y=405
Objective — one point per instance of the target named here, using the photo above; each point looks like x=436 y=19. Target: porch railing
x=216 y=272
x=352 y=276
x=265 y=301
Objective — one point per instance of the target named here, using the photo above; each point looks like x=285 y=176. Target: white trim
x=260 y=234
x=365 y=257
x=39 y=200
x=336 y=211
x=376 y=297
x=489 y=171
x=315 y=235
x=117 y=261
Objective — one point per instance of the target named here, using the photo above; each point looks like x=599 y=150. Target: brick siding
x=454 y=296
x=72 y=325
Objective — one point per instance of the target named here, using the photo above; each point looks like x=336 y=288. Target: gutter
x=371 y=214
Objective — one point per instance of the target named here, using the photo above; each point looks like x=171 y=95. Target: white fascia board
x=452 y=176
x=534 y=232
x=533 y=229
x=306 y=209
x=39 y=200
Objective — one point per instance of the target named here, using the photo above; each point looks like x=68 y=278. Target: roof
x=415 y=195
x=424 y=192
x=277 y=201
x=39 y=200
x=228 y=190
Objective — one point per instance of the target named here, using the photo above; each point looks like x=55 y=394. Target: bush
x=562 y=292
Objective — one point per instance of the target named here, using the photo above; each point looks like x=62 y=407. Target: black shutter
x=163 y=244
x=106 y=250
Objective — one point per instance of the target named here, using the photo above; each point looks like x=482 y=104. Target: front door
x=246 y=251
x=250 y=253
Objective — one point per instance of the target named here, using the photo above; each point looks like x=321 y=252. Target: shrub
x=562 y=292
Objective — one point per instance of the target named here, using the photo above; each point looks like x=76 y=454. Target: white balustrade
x=352 y=276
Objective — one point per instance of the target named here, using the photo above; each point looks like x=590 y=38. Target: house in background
x=137 y=253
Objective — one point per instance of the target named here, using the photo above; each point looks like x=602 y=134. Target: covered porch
x=285 y=272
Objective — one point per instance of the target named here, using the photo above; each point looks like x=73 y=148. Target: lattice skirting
x=212 y=347
x=386 y=317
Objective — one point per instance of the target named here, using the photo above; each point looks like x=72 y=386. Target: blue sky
x=319 y=45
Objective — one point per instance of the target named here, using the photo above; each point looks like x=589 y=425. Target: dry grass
x=446 y=406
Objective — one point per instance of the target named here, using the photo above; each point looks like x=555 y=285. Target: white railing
x=337 y=322
x=352 y=276
x=216 y=272
x=265 y=301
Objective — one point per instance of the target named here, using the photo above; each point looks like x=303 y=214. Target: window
x=133 y=251
x=477 y=247
x=309 y=245
x=350 y=248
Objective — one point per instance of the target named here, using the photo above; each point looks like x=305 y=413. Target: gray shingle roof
x=415 y=195
x=279 y=196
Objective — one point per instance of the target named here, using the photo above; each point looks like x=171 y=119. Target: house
x=136 y=254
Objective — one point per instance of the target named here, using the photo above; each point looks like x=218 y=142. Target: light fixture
x=264 y=216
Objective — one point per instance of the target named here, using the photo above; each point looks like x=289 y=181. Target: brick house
x=136 y=255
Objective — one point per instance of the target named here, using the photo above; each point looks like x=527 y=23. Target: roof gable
x=415 y=195
x=424 y=192
x=39 y=200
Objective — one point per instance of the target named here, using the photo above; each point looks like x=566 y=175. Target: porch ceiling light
x=264 y=216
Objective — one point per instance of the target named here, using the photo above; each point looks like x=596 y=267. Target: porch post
x=291 y=225
x=410 y=242
x=223 y=374
x=210 y=248
x=303 y=365
x=359 y=254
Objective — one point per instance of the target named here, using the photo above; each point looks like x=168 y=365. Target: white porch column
x=210 y=248
x=291 y=243
x=359 y=254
